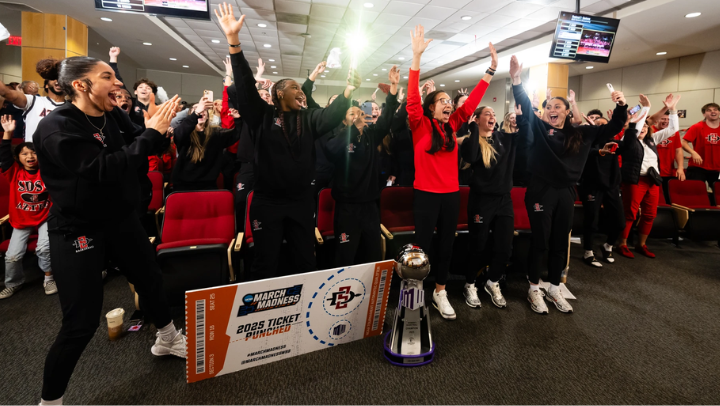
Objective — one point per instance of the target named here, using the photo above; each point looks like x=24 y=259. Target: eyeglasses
x=445 y=101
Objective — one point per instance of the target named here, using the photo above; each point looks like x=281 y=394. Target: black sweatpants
x=357 y=233
x=273 y=220
x=611 y=202
x=439 y=210
x=78 y=259
x=695 y=173
x=243 y=185
x=229 y=168
x=486 y=212
x=551 y=216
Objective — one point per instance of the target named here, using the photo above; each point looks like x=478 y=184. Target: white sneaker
x=535 y=297
x=50 y=287
x=555 y=296
x=7 y=292
x=176 y=347
x=440 y=302
x=493 y=289
x=471 y=297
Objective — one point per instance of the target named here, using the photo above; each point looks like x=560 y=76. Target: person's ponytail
x=66 y=71
x=48 y=69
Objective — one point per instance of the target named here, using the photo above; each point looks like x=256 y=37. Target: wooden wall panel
x=54 y=31
x=77 y=37
x=557 y=75
x=30 y=58
x=33 y=30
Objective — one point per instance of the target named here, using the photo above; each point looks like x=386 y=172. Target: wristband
x=490 y=72
x=234 y=46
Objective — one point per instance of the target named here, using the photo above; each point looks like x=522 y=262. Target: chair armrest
x=152 y=240
x=677 y=206
x=229 y=257
x=238 y=242
x=681 y=215
x=385 y=232
x=318 y=237
x=157 y=220
x=4 y=219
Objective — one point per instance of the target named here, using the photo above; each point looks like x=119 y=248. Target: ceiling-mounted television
x=584 y=38
x=199 y=9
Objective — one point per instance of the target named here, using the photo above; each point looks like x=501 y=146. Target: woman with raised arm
x=556 y=157
x=437 y=192
x=93 y=177
x=492 y=157
x=284 y=158
x=641 y=179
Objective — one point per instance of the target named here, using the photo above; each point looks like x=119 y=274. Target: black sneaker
x=607 y=255
x=592 y=262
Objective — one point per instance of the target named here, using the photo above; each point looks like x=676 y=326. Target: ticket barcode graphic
x=379 y=302
x=200 y=336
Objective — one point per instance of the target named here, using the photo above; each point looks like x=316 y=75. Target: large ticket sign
x=235 y=327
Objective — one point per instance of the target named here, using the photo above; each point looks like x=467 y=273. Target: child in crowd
x=29 y=208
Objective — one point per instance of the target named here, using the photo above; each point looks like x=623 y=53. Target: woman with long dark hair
x=283 y=138
x=93 y=177
x=556 y=157
x=436 y=202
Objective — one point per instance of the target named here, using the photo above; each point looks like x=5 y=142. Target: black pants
x=229 y=168
x=243 y=185
x=439 y=210
x=551 y=216
x=273 y=220
x=488 y=212
x=666 y=189
x=695 y=173
x=357 y=233
x=78 y=259
x=612 y=205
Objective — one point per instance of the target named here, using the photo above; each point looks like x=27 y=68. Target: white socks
x=49 y=278
x=534 y=287
x=469 y=285
x=51 y=402
x=589 y=253
x=491 y=283
x=168 y=333
x=554 y=289
x=607 y=247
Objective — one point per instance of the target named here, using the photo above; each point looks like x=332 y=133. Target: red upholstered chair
x=522 y=221
x=324 y=230
x=198 y=237
x=693 y=213
x=397 y=221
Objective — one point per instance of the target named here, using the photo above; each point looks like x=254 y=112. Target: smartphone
x=610 y=87
x=208 y=94
x=367 y=109
x=634 y=109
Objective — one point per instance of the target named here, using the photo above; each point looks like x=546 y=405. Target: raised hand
x=515 y=70
x=203 y=105
x=264 y=83
x=353 y=82
x=160 y=121
x=419 y=44
x=609 y=114
x=571 y=96
x=668 y=100
x=589 y=120
x=548 y=94
x=401 y=95
x=114 y=52
x=673 y=103
x=394 y=75
x=234 y=113
x=230 y=26
x=619 y=98
x=260 y=69
x=152 y=107
x=639 y=115
x=320 y=68
x=228 y=66
x=493 y=56
x=644 y=101
x=8 y=124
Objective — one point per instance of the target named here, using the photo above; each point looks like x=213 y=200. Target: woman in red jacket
x=437 y=193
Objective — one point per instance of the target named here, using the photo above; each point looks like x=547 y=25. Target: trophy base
x=403 y=360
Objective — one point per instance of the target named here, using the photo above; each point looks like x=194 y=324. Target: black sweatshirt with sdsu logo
x=93 y=179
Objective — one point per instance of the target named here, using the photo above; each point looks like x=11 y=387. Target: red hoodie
x=438 y=172
x=29 y=199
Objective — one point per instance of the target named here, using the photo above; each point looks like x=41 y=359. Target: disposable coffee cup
x=115 y=323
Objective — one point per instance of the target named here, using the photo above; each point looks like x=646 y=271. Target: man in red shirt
x=669 y=151
x=705 y=138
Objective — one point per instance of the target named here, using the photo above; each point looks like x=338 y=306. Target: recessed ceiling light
x=384 y=69
x=442 y=85
x=271 y=60
x=262 y=25
x=227 y=56
x=589 y=67
x=275 y=73
x=147 y=43
x=367 y=80
x=267 y=45
x=273 y=67
x=456 y=81
x=661 y=53
x=466 y=18
x=692 y=15
x=368 y=5
x=405 y=77
x=185 y=66
x=401 y=58
x=173 y=59
x=374 y=74
x=322 y=76
x=106 y=19
x=215 y=41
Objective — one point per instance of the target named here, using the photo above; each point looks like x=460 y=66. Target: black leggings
x=551 y=216
x=436 y=210
x=612 y=205
x=487 y=212
x=357 y=233
x=244 y=184
x=78 y=259
x=273 y=220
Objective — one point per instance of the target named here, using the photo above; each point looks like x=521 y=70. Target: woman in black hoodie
x=283 y=137
x=93 y=176
x=556 y=158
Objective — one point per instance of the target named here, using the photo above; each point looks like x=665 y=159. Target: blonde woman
x=200 y=146
x=509 y=124
x=492 y=157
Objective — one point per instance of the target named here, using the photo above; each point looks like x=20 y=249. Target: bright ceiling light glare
x=215 y=41
x=466 y=18
x=106 y=19
x=661 y=53
x=173 y=59
x=267 y=45
x=692 y=15
x=405 y=77
x=185 y=66
x=261 y=25
x=271 y=60
x=589 y=67
x=322 y=76
x=384 y=69
x=375 y=74
x=275 y=73
x=273 y=67
x=367 y=80
x=456 y=81
x=402 y=58
x=442 y=85
x=369 y=5
x=147 y=43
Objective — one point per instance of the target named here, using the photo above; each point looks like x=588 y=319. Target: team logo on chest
x=82 y=244
x=344 y=238
x=100 y=137
x=478 y=219
x=537 y=207
x=665 y=143
x=551 y=132
x=713 y=138
x=240 y=187
x=256 y=225
x=351 y=148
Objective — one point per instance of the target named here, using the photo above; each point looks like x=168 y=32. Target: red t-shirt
x=438 y=172
x=706 y=142
x=666 y=154
x=29 y=199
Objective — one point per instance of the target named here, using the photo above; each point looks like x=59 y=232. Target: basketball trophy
x=409 y=343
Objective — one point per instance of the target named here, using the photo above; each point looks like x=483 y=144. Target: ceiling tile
x=396 y=20
x=497 y=20
x=518 y=9
x=486 y=6
x=427 y=23
x=402 y=8
x=338 y=3
x=294 y=7
x=326 y=13
x=435 y=13
x=456 y=4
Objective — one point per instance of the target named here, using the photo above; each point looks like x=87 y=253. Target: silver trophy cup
x=409 y=343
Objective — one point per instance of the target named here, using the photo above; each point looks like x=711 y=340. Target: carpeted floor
x=644 y=331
